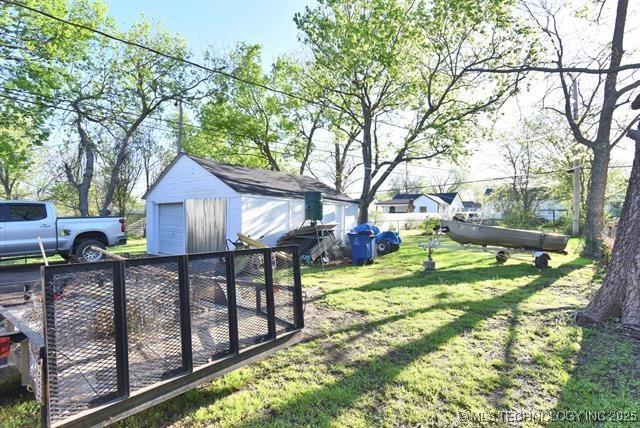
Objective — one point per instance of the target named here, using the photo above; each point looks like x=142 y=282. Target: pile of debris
x=316 y=243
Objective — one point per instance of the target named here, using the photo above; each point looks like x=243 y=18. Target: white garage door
x=171 y=228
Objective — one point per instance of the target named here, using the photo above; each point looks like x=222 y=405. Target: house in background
x=454 y=201
x=395 y=205
x=197 y=204
x=471 y=207
x=551 y=210
x=547 y=209
x=430 y=204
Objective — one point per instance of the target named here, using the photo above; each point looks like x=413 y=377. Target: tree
x=451 y=182
x=35 y=52
x=401 y=72
x=248 y=124
x=401 y=183
x=342 y=162
x=619 y=295
x=113 y=92
x=521 y=197
x=595 y=124
x=15 y=147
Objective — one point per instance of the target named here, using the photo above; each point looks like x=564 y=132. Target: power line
x=508 y=177
x=288 y=154
x=183 y=60
x=39 y=102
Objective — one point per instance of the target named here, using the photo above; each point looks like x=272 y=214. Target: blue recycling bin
x=362 y=247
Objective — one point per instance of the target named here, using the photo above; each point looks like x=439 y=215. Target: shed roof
x=257 y=181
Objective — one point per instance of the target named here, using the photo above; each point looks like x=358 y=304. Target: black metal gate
x=124 y=335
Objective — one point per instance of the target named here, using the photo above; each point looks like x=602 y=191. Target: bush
x=428 y=225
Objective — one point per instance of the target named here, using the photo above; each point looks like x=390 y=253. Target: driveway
x=13 y=280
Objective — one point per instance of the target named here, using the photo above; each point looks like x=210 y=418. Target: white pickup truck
x=23 y=222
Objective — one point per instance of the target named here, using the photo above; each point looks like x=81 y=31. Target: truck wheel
x=384 y=247
x=84 y=251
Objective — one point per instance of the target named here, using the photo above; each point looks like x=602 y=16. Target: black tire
x=83 y=250
x=384 y=247
x=542 y=261
x=502 y=256
x=395 y=247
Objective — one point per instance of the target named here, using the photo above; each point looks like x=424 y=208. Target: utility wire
x=39 y=102
x=421 y=187
x=183 y=60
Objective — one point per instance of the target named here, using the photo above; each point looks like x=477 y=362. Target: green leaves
x=246 y=123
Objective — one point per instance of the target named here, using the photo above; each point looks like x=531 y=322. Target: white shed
x=197 y=204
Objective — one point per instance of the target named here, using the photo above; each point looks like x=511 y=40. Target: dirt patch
x=320 y=318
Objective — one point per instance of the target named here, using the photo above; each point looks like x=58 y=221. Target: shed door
x=171 y=228
x=206 y=225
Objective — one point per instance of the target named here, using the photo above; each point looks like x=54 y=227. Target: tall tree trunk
x=7 y=182
x=602 y=147
x=84 y=185
x=619 y=295
x=114 y=176
x=367 y=160
x=595 y=201
x=339 y=168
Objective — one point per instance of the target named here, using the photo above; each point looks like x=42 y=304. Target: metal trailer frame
x=127 y=401
x=501 y=254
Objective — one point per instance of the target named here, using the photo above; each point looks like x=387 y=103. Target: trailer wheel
x=542 y=261
x=384 y=247
x=502 y=256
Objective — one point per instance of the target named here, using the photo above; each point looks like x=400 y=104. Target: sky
x=222 y=23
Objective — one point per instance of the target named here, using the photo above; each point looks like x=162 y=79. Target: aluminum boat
x=478 y=234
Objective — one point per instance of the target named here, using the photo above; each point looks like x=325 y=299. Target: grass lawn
x=401 y=347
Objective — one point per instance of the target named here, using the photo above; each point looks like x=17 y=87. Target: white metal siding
x=268 y=218
x=171 y=228
x=265 y=218
x=186 y=180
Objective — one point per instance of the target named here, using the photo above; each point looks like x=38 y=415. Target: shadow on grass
x=604 y=386
x=456 y=277
x=319 y=407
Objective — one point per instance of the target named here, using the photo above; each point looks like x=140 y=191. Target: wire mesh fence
x=209 y=308
x=153 y=320
x=114 y=329
x=80 y=335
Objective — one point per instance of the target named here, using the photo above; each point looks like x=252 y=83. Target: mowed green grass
x=454 y=347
